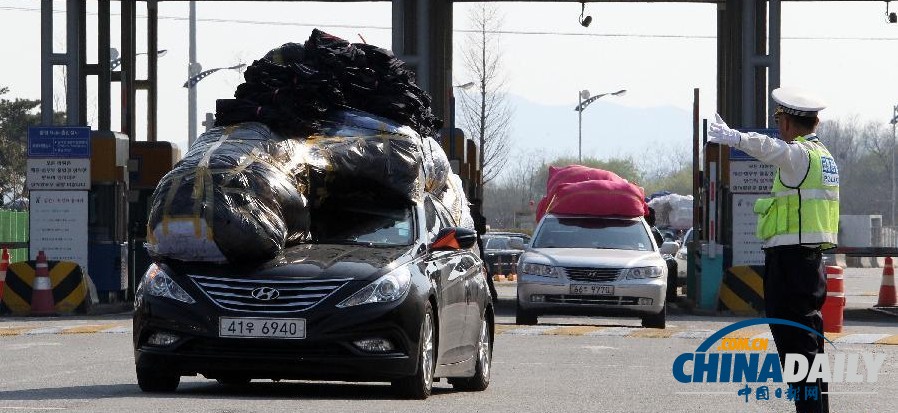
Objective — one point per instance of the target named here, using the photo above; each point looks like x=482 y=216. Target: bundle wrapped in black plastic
x=294 y=88
x=238 y=195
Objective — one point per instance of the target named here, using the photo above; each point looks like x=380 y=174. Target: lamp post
x=195 y=76
x=584 y=101
x=894 y=144
x=465 y=86
x=115 y=60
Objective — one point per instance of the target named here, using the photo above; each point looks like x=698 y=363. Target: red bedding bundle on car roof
x=589 y=191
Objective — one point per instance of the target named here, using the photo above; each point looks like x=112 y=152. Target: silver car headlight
x=157 y=283
x=639 y=273
x=541 y=270
x=390 y=287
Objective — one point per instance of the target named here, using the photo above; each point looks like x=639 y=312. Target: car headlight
x=390 y=287
x=541 y=270
x=643 y=272
x=157 y=283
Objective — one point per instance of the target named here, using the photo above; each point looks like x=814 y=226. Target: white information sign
x=746 y=246
x=58 y=174
x=59 y=226
x=751 y=177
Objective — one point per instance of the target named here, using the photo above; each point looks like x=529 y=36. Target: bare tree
x=487 y=115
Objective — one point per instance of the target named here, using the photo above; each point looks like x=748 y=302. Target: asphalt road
x=566 y=364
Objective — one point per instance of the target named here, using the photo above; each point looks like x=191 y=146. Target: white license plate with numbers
x=262 y=327
x=591 y=289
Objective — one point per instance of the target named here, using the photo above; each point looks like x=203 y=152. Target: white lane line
x=117 y=330
x=860 y=338
x=530 y=331
x=613 y=331
x=44 y=330
x=30 y=408
x=694 y=334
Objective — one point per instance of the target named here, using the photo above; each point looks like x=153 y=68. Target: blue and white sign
x=59 y=142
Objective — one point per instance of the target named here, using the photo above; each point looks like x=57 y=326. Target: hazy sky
x=845 y=51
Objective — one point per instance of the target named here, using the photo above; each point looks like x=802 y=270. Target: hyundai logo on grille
x=266 y=293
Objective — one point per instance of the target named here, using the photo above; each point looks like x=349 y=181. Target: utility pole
x=894 y=147
x=192 y=69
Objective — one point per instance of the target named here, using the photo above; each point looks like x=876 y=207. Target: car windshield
x=375 y=226
x=504 y=243
x=592 y=232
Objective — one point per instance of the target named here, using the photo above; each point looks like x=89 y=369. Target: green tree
x=15 y=118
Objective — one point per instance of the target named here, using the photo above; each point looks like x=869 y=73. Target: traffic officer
x=798 y=221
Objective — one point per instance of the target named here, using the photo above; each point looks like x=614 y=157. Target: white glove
x=719 y=132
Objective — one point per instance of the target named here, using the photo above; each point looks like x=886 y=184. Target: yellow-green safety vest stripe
x=807 y=214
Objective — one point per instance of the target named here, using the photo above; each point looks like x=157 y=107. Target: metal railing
x=888 y=237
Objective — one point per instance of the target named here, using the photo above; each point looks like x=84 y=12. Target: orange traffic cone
x=887 y=296
x=42 y=290
x=4 y=264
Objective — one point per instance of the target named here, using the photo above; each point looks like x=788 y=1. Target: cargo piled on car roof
x=323 y=121
x=580 y=190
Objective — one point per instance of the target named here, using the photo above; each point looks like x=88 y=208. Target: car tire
x=655 y=320
x=154 y=381
x=523 y=317
x=671 y=281
x=484 y=355
x=420 y=385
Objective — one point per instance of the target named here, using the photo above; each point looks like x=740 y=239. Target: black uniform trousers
x=794 y=290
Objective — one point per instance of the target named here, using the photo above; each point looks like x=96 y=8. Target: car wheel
x=524 y=317
x=233 y=380
x=671 y=281
x=420 y=384
x=153 y=381
x=481 y=379
x=655 y=320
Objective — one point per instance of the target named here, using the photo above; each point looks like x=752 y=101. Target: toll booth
x=149 y=162
x=108 y=215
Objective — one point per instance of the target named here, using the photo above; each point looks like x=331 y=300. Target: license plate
x=589 y=289
x=262 y=327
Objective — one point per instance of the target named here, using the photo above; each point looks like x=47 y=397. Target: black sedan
x=383 y=294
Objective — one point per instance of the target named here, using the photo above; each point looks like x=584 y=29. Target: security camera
x=588 y=19
x=893 y=18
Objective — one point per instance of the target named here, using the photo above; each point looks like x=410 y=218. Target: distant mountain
x=609 y=129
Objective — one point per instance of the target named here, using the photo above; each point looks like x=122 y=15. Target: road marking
x=117 y=330
x=30 y=408
x=573 y=330
x=613 y=331
x=695 y=334
x=88 y=329
x=44 y=330
x=860 y=338
x=530 y=330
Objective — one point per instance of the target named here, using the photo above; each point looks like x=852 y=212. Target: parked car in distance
x=394 y=294
x=681 y=257
x=502 y=250
x=595 y=266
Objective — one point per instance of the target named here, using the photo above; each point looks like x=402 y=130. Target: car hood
x=313 y=261
x=592 y=257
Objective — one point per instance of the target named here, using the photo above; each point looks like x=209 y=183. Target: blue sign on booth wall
x=59 y=142
x=737 y=155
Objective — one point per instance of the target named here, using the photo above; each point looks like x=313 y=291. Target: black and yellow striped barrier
x=70 y=292
x=742 y=290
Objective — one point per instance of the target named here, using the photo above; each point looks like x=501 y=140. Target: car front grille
x=253 y=348
x=592 y=299
x=293 y=294
x=592 y=274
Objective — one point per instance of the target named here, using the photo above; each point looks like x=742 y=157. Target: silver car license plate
x=592 y=289
x=262 y=327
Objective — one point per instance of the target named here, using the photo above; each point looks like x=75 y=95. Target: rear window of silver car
x=592 y=232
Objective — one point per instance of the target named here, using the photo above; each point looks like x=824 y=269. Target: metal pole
x=580 y=127
x=894 y=144
x=191 y=91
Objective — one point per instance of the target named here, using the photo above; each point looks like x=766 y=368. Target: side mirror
x=454 y=239
x=669 y=248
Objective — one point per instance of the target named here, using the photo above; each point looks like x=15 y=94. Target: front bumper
x=557 y=297
x=327 y=352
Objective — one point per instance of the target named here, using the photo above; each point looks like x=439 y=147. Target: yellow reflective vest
x=807 y=214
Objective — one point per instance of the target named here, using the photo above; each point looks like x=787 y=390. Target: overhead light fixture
x=585 y=21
